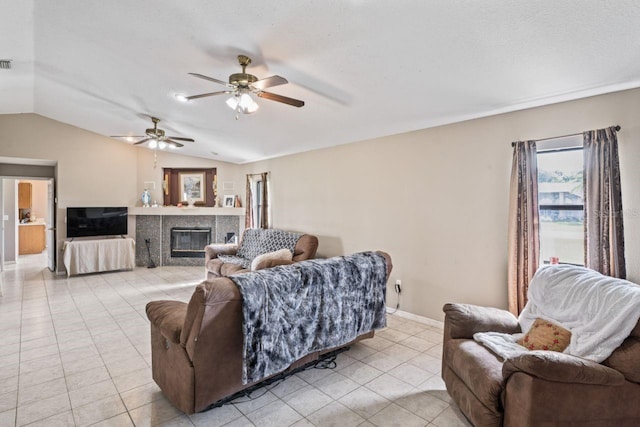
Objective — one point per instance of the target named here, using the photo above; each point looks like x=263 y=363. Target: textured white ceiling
x=364 y=68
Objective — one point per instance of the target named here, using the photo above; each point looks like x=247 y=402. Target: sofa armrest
x=464 y=320
x=268 y=263
x=305 y=248
x=560 y=367
x=168 y=317
x=212 y=251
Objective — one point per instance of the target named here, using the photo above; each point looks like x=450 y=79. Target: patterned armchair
x=259 y=248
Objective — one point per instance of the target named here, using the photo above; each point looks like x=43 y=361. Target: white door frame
x=1 y=224
x=51 y=224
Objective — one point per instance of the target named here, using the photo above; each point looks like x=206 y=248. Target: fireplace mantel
x=174 y=210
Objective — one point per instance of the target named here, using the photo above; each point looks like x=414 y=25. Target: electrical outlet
x=398 y=286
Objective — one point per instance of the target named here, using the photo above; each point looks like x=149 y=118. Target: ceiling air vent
x=5 y=64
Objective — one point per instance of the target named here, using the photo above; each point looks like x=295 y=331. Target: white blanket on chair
x=600 y=311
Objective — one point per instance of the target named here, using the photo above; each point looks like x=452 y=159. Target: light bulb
x=243 y=103
x=247 y=104
x=162 y=145
x=233 y=102
x=153 y=144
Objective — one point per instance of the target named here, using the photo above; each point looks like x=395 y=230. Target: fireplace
x=189 y=242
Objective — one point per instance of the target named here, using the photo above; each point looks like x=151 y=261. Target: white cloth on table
x=91 y=256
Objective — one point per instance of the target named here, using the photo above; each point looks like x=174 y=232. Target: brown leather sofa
x=305 y=248
x=197 y=347
x=539 y=388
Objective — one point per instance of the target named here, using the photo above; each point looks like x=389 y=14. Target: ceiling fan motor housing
x=155 y=133
x=242 y=79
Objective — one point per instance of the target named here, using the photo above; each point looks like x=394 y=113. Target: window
x=257 y=202
x=258 y=189
x=560 y=200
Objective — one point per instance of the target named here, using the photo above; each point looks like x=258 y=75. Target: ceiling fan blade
x=204 y=95
x=280 y=98
x=127 y=136
x=269 y=82
x=177 y=144
x=211 y=79
x=176 y=138
x=142 y=141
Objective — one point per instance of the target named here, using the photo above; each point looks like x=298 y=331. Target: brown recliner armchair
x=539 y=388
x=222 y=260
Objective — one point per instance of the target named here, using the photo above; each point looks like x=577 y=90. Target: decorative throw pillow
x=281 y=255
x=545 y=335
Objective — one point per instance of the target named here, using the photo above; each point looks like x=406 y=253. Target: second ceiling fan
x=241 y=85
x=157 y=137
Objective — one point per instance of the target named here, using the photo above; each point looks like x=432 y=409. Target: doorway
x=42 y=210
x=35 y=222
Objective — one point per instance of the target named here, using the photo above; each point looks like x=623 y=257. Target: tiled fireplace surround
x=157 y=228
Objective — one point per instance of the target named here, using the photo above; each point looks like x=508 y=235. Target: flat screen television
x=102 y=221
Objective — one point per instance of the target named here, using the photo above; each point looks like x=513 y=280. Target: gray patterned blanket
x=291 y=311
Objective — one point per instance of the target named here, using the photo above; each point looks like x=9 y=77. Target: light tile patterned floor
x=75 y=352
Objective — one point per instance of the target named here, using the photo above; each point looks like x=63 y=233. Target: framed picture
x=229 y=201
x=192 y=186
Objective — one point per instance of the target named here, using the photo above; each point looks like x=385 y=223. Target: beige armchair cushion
x=271 y=259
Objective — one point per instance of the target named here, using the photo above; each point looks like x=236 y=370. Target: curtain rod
x=513 y=144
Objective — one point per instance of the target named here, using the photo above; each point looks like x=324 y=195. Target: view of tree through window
x=560 y=198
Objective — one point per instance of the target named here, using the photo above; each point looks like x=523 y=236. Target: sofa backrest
x=258 y=241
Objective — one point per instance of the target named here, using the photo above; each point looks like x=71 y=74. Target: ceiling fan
x=157 y=137
x=241 y=85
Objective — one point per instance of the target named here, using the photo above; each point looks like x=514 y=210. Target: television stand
x=94 y=256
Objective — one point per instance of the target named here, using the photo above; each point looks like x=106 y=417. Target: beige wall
x=437 y=199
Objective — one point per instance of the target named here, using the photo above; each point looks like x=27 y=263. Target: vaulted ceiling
x=364 y=68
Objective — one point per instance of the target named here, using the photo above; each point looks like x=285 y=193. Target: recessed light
x=180 y=97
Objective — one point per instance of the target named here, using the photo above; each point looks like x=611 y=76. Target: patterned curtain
x=603 y=225
x=248 y=205
x=524 y=236
x=265 y=210
x=265 y=217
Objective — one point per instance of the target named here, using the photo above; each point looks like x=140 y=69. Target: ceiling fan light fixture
x=233 y=102
x=153 y=144
x=242 y=103
x=162 y=145
x=247 y=105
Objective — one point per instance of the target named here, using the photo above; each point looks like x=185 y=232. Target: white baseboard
x=416 y=318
